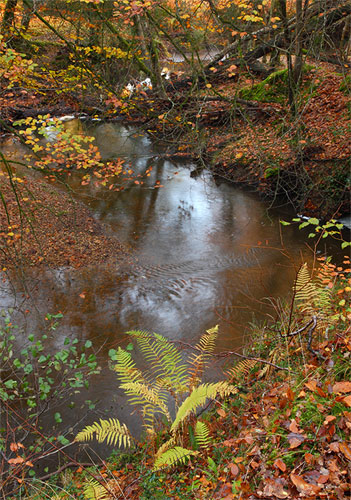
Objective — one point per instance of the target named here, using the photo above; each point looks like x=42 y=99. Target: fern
x=240 y=370
x=202 y=434
x=126 y=369
x=198 y=397
x=140 y=392
x=198 y=361
x=111 y=431
x=163 y=357
x=95 y=491
x=173 y=456
x=311 y=296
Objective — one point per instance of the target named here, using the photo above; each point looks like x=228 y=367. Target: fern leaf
x=198 y=397
x=173 y=456
x=171 y=442
x=240 y=370
x=163 y=357
x=95 y=491
x=111 y=431
x=202 y=434
x=141 y=393
x=305 y=290
x=204 y=349
x=126 y=369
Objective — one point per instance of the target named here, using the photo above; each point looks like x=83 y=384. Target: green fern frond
x=240 y=370
x=198 y=397
x=173 y=456
x=95 y=491
x=111 y=431
x=141 y=394
x=162 y=356
x=126 y=369
x=166 y=446
x=202 y=434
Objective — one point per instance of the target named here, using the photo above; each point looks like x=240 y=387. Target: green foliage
x=111 y=431
x=173 y=456
x=168 y=377
x=331 y=228
x=202 y=434
x=34 y=381
x=93 y=490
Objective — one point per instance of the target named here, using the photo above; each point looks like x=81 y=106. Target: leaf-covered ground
x=42 y=225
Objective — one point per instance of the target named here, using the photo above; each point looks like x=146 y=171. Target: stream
x=204 y=253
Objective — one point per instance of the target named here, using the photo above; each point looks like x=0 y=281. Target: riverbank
x=42 y=225
x=286 y=434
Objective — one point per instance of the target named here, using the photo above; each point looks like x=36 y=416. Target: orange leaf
x=312 y=385
x=293 y=426
x=306 y=489
x=274 y=488
x=234 y=469
x=280 y=464
x=17 y=460
x=329 y=419
x=342 y=387
x=221 y=412
x=347 y=400
x=346 y=450
x=295 y=439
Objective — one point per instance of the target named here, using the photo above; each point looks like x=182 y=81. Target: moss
x=274 y=88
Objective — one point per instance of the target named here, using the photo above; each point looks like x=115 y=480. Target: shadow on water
x=203 y=254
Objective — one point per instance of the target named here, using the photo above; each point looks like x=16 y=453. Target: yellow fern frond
x=198 y=397
x=126 y=369
x=141 y=393
x=311 y=296
x=95 y=491
x=202 y=434
x=166 y=446
x=199 y=360
x=111 y=431
x=173 y=456
x=305 y=290
x=240 y=370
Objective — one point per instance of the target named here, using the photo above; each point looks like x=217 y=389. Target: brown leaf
x=311 y=385
x=17 y=460
x=274 y=487
x=342 y=387
x=221 y=412
x=295 y=439
x=234 y=469
x=347 y=401
x=334 y=446
x=293 y=426
x=306 y=489
x=329 y=419
x=346 y=450
x=280 y=464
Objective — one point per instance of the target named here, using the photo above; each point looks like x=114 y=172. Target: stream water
x=204 y=252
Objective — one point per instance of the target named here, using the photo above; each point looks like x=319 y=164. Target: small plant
x=167 y=378
x=32 y=382
x=331 y=228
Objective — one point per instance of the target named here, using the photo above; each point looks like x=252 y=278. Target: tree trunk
x=8 y=18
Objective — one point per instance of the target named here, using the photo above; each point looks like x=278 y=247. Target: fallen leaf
x=346 y=450
x=295 y=439
x=311 y=385
x=234 y=469
x=329 y=419
x=274 y=487
x=280 y=464
x=293 y=426
x=306 y=489
x=342 y=387
x=221 y=412
x=347 y=401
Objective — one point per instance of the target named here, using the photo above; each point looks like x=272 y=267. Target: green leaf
x=345 y=244
x=284 y=223
x=313 y=221
x=88 y=344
